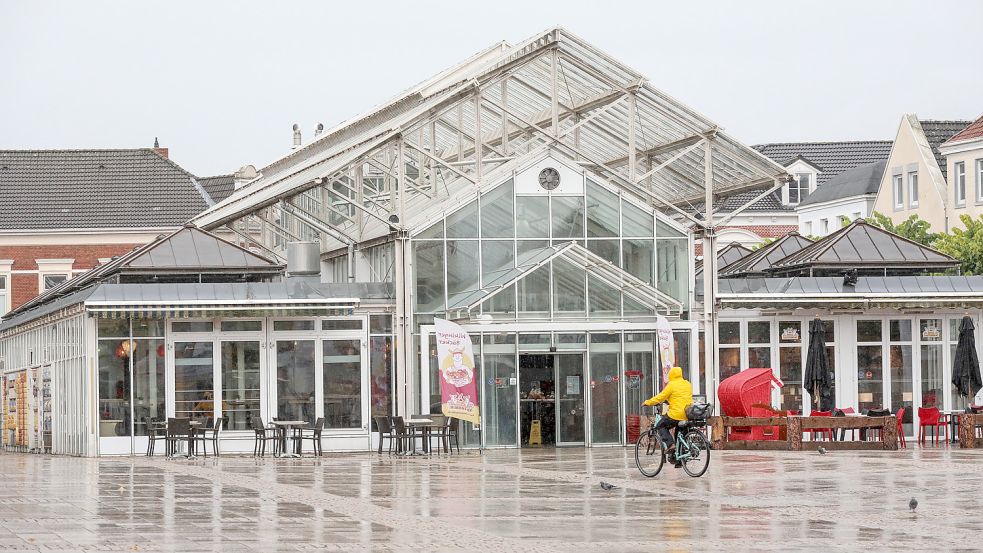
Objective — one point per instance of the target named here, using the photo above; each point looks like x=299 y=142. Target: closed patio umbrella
x=966 y=364
x=816 y=378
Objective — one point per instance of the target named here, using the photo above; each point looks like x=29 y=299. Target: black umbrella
x=816 y=378
x=966 y=365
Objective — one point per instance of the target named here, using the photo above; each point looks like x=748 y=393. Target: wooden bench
x=795 y=426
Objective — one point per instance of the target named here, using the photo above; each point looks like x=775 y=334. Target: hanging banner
x=458 y=389
x=667 y=356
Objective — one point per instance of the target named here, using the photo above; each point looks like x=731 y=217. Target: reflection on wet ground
x=531 y=500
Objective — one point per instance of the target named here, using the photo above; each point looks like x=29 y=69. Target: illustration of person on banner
x=458 y=387
x=667 y=354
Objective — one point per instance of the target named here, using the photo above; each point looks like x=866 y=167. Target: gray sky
x=221 y=82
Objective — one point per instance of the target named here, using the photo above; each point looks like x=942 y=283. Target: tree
x=912 y=228
x=966 y=245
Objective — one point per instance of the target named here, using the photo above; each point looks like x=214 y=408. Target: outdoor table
x=193 y=424
x=287 y=426
x=952 y=418
x=424 y=425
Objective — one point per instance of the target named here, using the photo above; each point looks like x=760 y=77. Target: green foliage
x=912 y=228
x=966 y=245
x=764 y=243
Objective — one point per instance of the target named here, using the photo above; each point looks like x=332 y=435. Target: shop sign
x=667 y=355
x=458 y=390
x=791 y=334
x=931 y=333
x=573 y=385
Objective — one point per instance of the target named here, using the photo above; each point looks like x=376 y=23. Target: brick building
x=63 y=212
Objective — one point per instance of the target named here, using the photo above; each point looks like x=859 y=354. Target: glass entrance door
x=570 y=398
x=295 y=380
x=194 y=380
x=342 y=383
x=241 y=377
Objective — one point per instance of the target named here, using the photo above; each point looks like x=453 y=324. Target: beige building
x=964 y=160
x=914 y=180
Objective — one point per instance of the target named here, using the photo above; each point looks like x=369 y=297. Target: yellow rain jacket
x=678 y=392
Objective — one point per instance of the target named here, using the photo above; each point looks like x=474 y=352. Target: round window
x=549 y=178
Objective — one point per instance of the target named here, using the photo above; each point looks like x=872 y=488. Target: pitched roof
x=188 y=250
x=761 y=259
x=218 y=187
x=771 y=202
x=861 y=245
x=974 y=130
x=832 y=158
x=865 y=179
x=937 y=132
x=64 y=189
x=727 y=255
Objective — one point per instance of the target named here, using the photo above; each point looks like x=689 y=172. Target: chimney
x=304 y=261
x=162 y=152
x=318 y=129
x=297 y=139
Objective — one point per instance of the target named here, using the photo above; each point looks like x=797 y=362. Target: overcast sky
x=221 y=82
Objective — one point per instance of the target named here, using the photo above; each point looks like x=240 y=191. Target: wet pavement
x=538 y=500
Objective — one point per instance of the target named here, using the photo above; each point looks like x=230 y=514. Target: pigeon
x=913 y=504
x=607 y=487
x=822 y=450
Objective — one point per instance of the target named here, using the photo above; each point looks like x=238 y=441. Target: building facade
x=62 y=213
x=964 y=162
x=915 y=177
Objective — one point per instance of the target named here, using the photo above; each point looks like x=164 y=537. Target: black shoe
x=678 y=465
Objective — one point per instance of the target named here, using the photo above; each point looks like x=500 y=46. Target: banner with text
x=458 y=388
x=667 y=356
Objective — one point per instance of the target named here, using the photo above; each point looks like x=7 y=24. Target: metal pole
x=554 y=63
x=632 y=167
x=709 y=278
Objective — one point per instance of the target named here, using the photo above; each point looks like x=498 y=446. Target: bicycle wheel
x=699 y=454
x=649 y=456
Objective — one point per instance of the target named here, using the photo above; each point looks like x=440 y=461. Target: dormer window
x=798 y=188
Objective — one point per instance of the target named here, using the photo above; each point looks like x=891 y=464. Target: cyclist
x=679 y=393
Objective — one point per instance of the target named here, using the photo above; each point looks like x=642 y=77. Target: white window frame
x=824 y=226
x=797 y=183
x=6 y=266
x=912 y=189
x=959 y=182
x=53 y=267
x=979 y=181
x=808 y=228
x=897 y=187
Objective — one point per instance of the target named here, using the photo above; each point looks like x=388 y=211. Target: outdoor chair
x=900 y=417
x=201 y=434
x=405 y=436
x=178 y=430
x=824 y=433
x=439 y=431
x=314 y=437
x=452 y=436
x=853 y=431
x=930 y=417
x=261 y=435
x=216 y=430
x=385 y=432
x=156 y=432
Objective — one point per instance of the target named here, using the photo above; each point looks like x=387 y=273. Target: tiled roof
x=861 y=245
x=832 y=158
x=974 y=130
x=218 y=187
x=48 y=189
x=858 y=181
x=937 y=132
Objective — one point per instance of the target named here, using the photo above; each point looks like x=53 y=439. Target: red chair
x=930 y=417
x=826 y=432
x=901 y=440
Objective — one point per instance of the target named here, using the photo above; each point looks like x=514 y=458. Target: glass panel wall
x=295 y=361
x=193 y=380
x=240 y=383
x=499 y=388
x=114 y=387
x=759 y=350
x=933 y=381
x=901 y=370
x=149 y=382
x=729 y=350
x=342 y=365
x=605 y=372
x=790 y=365
x=641 y=381
x=870 y=366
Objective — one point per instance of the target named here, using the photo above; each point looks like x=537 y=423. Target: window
x=913 y=189
x=824 y=226
x=808 y=228
x=50 y=281
x=857 y=215
x=979 y=180
x=798 y=189
x=959 y=182
x=3 y=294
x=844 y=220
x=898 y=192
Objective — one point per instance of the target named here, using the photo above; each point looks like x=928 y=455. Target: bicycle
x=692 y=447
